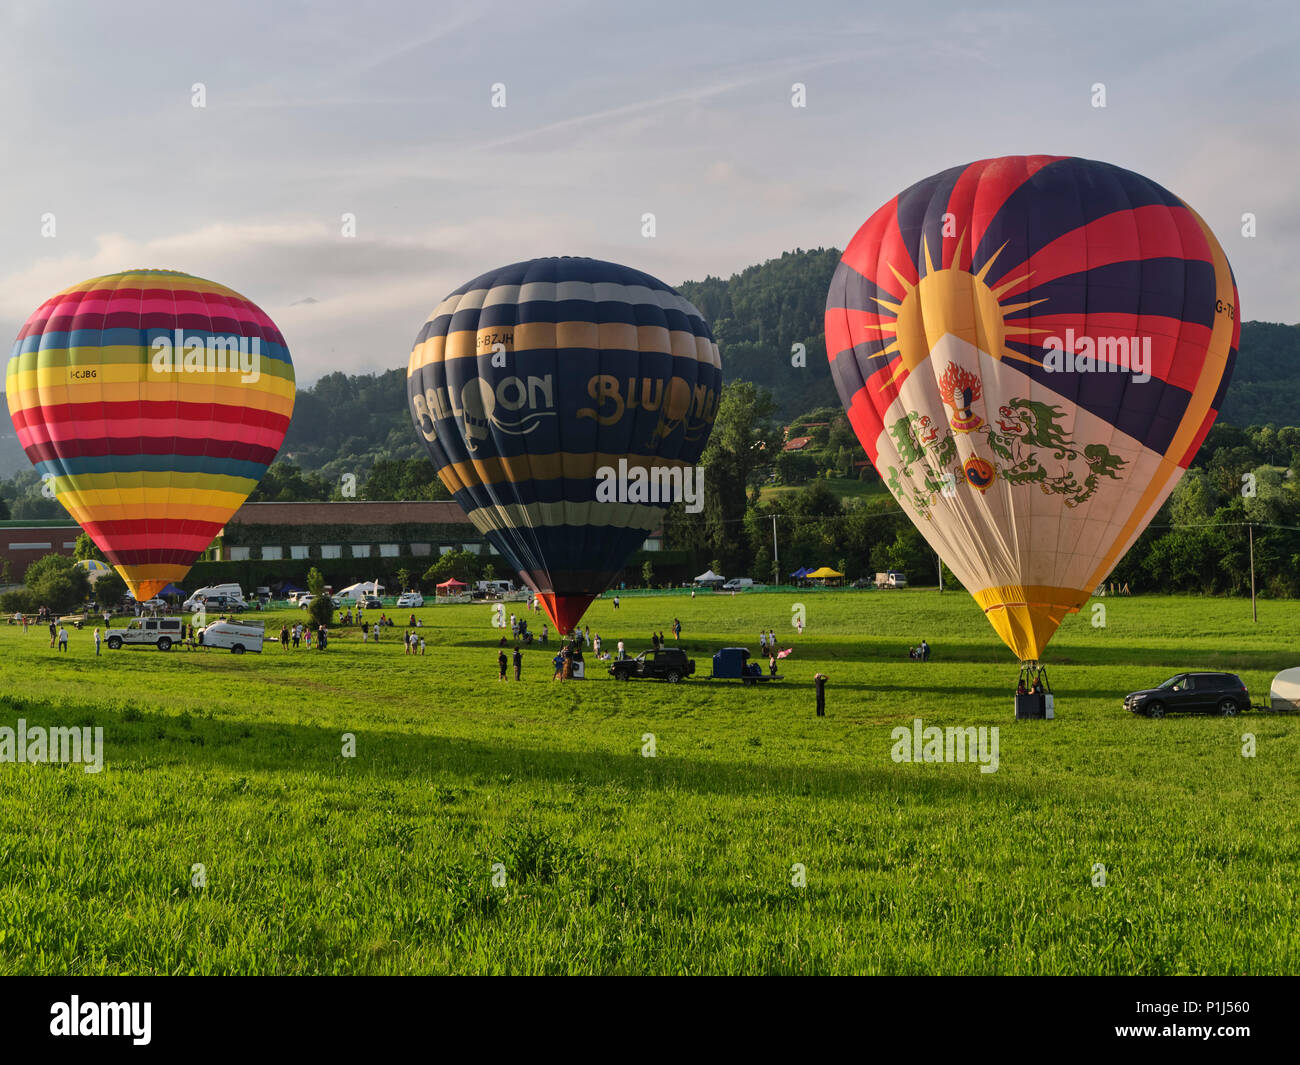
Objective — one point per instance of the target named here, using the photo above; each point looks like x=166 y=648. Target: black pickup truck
x=670 y=664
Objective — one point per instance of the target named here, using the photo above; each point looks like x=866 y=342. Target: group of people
x=300 y=635
x=920 y=653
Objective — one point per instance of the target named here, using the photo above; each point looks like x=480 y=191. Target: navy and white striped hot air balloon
x=529 y=381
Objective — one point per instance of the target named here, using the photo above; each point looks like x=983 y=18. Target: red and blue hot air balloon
x=532 y=383
x=1031 y=350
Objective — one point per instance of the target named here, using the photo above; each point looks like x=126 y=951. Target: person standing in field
x=54 y=633
x=421 y=645
x=519 y=662
x=545 y=632
x=97 y=642
x=595 y=644
x=762 y=642
x=677 y=629
x=365 y=632
x=63 y=638
x=501 y=665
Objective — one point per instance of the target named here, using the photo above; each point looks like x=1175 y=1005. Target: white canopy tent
x=709 y=577
x=1285 y=692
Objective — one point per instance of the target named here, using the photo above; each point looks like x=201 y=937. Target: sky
x=384 y=112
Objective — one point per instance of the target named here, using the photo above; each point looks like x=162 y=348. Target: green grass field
x=678 y=863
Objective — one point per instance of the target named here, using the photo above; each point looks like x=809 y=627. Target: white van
x=154 y=632
x=238 y=636
x=738 y=584
x=216 y=591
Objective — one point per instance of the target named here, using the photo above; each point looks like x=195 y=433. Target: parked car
x=370 y=602
x=409 y=599
x=1191 y=693
x=863 y=582
x=669 y=664
x=738 y=584
x=153 y=632
x=216 y=604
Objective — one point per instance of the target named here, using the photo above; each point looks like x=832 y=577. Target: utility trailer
x=732 y=663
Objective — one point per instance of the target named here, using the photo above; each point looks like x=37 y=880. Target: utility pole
x=1254 y=607
x=776 y=555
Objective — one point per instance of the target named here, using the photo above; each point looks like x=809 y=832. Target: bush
x=56 y=582
x=321 y=611
x=19 y=601
x=108 y=590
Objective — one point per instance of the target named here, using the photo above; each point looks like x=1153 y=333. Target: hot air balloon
x=564 y=402
x=151 y=402
x=1032 y=349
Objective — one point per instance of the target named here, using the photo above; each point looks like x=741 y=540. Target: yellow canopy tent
x=825 y=571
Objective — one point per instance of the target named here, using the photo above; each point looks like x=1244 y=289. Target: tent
x=802 y=571
x=171 y=589
x=823 y=573
x=1285 y=692
x=450 y=586
x=709 y=577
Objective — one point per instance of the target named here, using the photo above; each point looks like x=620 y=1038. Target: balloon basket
x=1034 y=699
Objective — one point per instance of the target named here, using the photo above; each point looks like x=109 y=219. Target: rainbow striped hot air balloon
x=1031 y=350
x=528 y=382
x=152 y=401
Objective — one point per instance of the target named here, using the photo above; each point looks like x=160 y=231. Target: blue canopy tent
x=171 y=590
x=802 y=571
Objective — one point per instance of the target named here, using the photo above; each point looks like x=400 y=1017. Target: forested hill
x=759 y=314
x=344 y=423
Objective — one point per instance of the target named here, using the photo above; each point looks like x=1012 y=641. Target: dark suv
x=1192 y=693
x=670 y=664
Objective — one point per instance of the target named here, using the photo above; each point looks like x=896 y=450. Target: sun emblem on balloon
x=952 y=301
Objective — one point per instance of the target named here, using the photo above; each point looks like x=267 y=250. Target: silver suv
x=155 y=632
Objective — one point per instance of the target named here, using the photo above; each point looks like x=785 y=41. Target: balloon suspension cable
x=1033 y=677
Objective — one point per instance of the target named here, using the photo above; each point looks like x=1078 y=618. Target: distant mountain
x=12 y=457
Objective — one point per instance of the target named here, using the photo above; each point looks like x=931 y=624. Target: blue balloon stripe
x=141 y=338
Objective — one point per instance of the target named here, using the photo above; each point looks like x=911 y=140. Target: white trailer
x=238 y=636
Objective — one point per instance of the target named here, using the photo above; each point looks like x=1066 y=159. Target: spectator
x=63 y=638
x=501 y=665
x=96 y=642
x=519 y=662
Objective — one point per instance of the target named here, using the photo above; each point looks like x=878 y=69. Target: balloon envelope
x=1032 y=349
x=556 y=397
x=151 y=402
